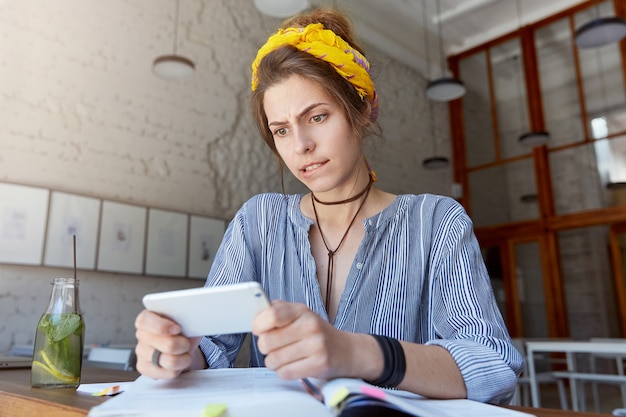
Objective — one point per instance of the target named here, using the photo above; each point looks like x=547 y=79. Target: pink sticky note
x=373 y=392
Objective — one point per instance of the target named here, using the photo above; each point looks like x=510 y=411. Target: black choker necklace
x=347 y=200
x=331 y=253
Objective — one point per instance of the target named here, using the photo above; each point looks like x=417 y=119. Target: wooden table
x=18 y=399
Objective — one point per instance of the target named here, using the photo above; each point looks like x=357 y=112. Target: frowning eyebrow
x=302 y=113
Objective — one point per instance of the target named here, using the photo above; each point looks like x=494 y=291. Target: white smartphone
x=211 y=310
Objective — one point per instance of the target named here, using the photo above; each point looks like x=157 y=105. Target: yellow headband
x=327 y=46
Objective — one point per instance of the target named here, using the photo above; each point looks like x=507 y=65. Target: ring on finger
x=156 y=355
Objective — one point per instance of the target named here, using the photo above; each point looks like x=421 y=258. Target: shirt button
x=359 y=265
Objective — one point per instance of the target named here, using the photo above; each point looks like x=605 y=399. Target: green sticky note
x=213 y=410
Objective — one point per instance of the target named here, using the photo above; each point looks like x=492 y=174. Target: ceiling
x=397 y=26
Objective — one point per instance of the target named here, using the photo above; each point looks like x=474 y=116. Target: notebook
x=12 y=362
x=259 y=392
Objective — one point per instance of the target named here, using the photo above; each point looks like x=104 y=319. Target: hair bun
x=330 y=18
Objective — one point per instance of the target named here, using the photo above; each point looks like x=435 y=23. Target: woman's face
x=313 y=135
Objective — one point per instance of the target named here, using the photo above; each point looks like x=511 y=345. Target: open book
x=242 y=392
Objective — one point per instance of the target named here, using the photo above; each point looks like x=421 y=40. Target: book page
x=336 y=390
x=245 y=391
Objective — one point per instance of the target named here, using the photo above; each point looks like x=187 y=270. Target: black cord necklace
x=347 y=200
x=331 y=253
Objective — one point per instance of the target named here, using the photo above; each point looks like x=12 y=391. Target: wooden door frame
x=555 y=311
x=618 y=277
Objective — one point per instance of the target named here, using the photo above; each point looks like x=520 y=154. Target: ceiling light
x=528 y=198
x=173 y=66
x=281 y=8
x=445 y=89
x=435 y=162
x=601 y=31
x=532 y=139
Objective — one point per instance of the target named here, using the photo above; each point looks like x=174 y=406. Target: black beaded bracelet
x=394 y=366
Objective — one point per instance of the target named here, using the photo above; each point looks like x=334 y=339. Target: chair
x=578 y=378
x=111 y=358
x=521 y=396
x=619 y=367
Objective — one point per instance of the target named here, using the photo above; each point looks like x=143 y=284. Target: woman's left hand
x=298 y=343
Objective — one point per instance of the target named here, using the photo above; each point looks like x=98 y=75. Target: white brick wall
x=80 y=111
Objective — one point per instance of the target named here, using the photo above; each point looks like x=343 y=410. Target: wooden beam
x=556 y=308
x=618 y=275
x=544 y=187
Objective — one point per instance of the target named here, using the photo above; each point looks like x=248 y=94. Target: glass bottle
x=58 y=354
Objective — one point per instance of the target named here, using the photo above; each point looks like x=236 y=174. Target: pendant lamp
x=444 y=88
x=281 y=8
x=173 y=66
x=601 y=131
x=436 y=161
x=600 y=31
x=531 y=138
x=528 y=198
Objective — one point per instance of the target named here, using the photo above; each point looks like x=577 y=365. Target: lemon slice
x=39 y=368
x=54 y=371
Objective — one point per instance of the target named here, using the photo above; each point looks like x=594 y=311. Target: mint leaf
x=65 y=327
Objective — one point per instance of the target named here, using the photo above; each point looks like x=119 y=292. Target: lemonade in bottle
x=58 y=353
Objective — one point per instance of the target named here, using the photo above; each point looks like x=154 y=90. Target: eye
x=318 y=118
x=282 y=131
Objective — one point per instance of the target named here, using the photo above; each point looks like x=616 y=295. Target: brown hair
x=286 y=61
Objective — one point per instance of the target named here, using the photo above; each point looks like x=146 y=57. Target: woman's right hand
x=178 y=353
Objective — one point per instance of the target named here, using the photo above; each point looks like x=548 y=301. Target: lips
x=311 y=167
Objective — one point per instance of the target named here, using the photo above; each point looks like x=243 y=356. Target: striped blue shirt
x=418 y=276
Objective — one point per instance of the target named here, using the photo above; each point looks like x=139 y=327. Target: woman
x=366 y=284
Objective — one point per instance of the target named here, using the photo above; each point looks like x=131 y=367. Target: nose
x=303 y=142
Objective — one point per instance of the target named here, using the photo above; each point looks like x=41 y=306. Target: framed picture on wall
x=23 y=214
x=122 y=238
x=166 y=247
x=72 y=215
x=205 y=236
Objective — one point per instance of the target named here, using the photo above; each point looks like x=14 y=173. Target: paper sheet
x=104 y=389
x=246 y=391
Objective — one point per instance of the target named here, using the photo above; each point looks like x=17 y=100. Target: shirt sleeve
x=465 y=314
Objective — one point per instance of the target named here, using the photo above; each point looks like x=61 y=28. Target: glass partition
x=603 y=80
x=559 y=83
x=510 y=97
x=589 y=176
x=587 y=280
x=530 y=290
x=477 y=117
x=502 y=194
x=603 y=87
